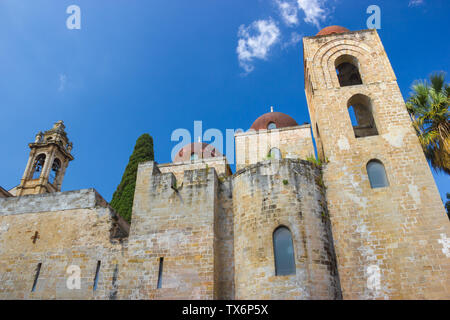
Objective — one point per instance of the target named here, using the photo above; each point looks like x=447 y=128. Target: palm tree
x=428 y=108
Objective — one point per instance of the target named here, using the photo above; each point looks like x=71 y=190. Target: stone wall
x=254 y=146
x=58 y=230
x=288 y=193
x=224 y=242
x=218 y=163
x=175 y=223
x=391 y=242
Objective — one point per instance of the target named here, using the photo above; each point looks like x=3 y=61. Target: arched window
x=194 y=156
x=38 y=166
x=275 y=153
x=377 y=174
x=271 y=126
x=55 y=170
x=361 y=115
x=284 y=252
x=347 y=71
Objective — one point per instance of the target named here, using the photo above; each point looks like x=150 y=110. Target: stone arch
x=362 y=106
x=38 y=166
x=55 y=170
x=348 y=70
x=329 y=52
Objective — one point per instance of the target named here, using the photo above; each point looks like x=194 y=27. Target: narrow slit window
x=96 y=275
x=160 y=272
x=36 y=277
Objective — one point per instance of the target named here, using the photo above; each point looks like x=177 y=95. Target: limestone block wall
x=287 y=193
x=218 y=163
x=59 y=230
x=391 y=242
x=254 y=146
x=174 y=223
x=224 y=242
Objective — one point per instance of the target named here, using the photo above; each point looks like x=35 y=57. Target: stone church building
x=369 y=224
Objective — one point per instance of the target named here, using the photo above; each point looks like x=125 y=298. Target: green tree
x=428 y=107
x=122 y=200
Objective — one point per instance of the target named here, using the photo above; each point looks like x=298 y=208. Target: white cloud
x=255 y=42
x=288 y=12
x=62 y=82
x=293 y=40
x=313 y=11
x=415 y=3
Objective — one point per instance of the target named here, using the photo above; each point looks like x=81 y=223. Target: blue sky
x=155 y=66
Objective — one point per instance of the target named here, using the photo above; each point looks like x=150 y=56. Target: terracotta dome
x=332 y=30
x=201 y=149
x=280 y=120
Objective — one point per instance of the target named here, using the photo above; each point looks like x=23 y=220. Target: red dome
x=332 y=30
x=280 y=120
x=202 y=150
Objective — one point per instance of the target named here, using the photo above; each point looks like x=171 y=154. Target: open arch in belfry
x=329 y=52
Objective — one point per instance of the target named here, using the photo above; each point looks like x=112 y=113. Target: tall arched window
x=377 y=174
x=56 y=167
x=283 y=249
x=38 y=166
x=275 y=153
x=347 y=71
x=361 y=115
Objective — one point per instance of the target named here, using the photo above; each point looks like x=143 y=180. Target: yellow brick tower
x=47 y=163
x=392 y=236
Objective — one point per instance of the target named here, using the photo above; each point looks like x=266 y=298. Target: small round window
x=271 y=126
x=275 y=153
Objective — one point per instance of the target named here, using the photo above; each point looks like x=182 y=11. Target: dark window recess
x=160 y=273
x=36 y=277
x=361 y=115
x=38 y=166
x=56 y=167
x=347 y=69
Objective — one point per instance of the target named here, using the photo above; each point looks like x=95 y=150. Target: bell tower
x=388 y=221
x=49 y=157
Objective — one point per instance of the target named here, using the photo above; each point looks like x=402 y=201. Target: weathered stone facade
x=58 y=230
x=200 y=232
x=390 y=242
